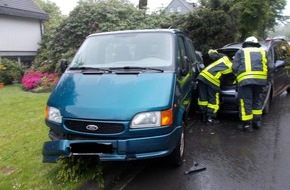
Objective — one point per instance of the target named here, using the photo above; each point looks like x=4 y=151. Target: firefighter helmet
x=251 y=42
x=214 y=54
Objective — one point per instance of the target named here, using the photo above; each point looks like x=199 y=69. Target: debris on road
x=195 y=168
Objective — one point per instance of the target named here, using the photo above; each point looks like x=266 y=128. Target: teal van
x=124 y=96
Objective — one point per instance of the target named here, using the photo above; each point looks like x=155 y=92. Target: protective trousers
x=250 y=101
x=208 y=100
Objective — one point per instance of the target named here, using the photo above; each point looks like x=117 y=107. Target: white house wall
x=19 y=34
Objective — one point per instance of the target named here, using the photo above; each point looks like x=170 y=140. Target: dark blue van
x=124 y=96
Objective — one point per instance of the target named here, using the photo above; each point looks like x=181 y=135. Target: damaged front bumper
x=113 y=150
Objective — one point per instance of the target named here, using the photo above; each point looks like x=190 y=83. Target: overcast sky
x=67 y=5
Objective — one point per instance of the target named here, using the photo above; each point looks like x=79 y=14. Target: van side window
x=181 y=53
x=191 y=54
x=191 y=51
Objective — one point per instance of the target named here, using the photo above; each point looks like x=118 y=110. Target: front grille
x=94 y=127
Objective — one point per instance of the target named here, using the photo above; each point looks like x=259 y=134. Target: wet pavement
x=230 y=159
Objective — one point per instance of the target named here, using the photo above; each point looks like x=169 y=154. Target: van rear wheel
x=177 y=155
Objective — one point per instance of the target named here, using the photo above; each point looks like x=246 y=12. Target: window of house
x=171 y=9
x=178 y=9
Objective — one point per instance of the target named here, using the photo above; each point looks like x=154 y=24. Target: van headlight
x=53 y=114
x=152 y=119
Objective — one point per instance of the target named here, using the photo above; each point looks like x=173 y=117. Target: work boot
x=246 y=126
x=257 y=125
x=212 y=121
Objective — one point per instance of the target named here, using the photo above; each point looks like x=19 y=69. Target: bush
x=10 y=71
x=2 y=70
x=37 y=81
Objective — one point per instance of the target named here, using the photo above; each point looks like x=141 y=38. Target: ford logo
x=92 y=127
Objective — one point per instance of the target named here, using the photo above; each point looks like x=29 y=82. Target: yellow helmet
x=212 y=51
x=213 y=54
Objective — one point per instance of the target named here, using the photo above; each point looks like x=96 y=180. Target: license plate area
x=91 y=148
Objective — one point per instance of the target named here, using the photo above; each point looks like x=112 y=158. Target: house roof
x=22 y=8
x=189 y=6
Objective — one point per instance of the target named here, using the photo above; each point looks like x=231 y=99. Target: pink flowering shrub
x=38 y=81
x=32 y=79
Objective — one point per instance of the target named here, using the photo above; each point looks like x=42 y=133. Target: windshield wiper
x=136 y=68
x=87 y=69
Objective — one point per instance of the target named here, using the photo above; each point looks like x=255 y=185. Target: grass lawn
x=22 y=134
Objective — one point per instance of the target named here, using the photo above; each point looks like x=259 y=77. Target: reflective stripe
x=252 y=75
x=186 y=102
x=202 y=103
x=215 y=107
x=218 y=75
x=257 y=112
x=229 y=64
x=244 y=116
x=210 y=78
x=184 y=79
x=248 y=61
x=214 y=79
x=248 y=73
x=264 y=61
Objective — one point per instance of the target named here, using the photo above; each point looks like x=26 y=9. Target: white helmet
x=252 y=39
x=251 y=42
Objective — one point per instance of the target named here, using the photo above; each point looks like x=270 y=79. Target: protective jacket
x=212 y=73
x=250 y=66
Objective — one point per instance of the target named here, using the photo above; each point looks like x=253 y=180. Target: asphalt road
x=230 y=159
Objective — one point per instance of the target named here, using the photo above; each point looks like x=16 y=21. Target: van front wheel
x=177 y=155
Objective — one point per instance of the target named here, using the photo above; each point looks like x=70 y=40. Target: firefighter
x=250 y=67
x=209 y=85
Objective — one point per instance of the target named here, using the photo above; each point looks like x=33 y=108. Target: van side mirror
x=63 y=65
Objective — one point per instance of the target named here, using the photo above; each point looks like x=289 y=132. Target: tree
x=254 y=17
x=89 y=17
x=209 y=28
x=212 y=25
x=44 y=53
x=55 y=16
x=259 y=16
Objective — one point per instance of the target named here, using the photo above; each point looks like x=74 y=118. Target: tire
x=288 y=90
x=177 y=155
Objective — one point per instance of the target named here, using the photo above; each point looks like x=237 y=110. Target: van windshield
x=126 y=50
